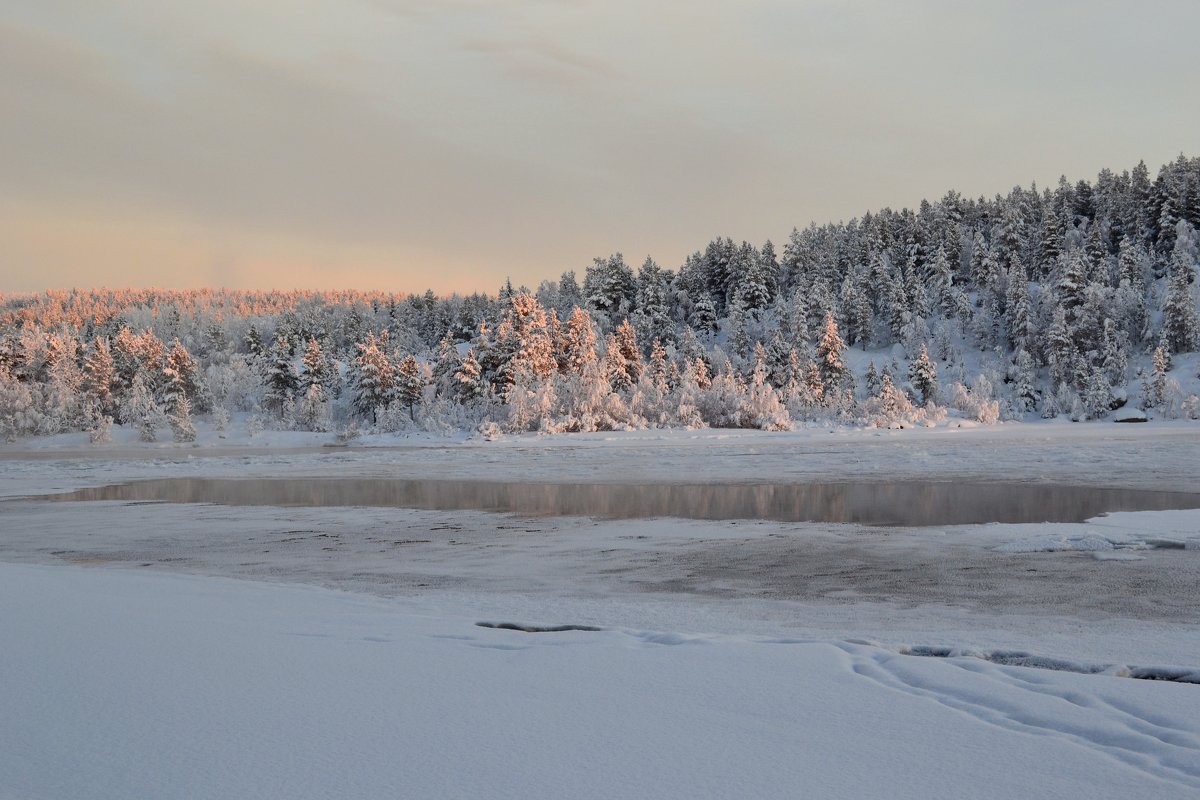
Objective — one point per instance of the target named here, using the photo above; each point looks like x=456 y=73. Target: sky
x=449 y=144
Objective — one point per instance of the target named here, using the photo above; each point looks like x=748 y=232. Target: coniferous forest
x=1075 y=302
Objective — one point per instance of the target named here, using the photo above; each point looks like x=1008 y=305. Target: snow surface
x=136 y=660
x=136 y=685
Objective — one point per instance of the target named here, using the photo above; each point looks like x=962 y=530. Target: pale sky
x=446 y=144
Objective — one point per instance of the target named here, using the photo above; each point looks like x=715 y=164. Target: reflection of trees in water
x=900 y=503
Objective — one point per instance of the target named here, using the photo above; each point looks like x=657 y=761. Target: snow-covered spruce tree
x=410 y=385
x=180 y=419
x=704 y=317
x=616 y=368
x=141 y=409
x=1154 y=384
x=280 y=379
x=830 y=357
x=761 y=407
x=1024 y=376
x=374 y=378
x=181 y=379
x=923 y=374
x=652 y=319
x=315 y=370
x=579 y=342
x=523 y=339
x=1180 y=327
x=1097 y=394
x=446 y=363
x=721 y=402
x=100 y=377
x=18 y=415
x=313 y=412
x=890 y=407
x=100 y=426
x=610 y=289
x=626 y=338
x=1114 y=358
x=254 y=341
x=1060 y=351
x=63 y=409
x=471 y=386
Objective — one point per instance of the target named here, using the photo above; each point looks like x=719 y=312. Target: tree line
x=1068 y=301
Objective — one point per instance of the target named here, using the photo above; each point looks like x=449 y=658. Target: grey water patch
x=516 y=626
x=896 y=503
x=1016 y=658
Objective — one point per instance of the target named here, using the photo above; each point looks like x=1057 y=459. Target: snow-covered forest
x=1069 y=302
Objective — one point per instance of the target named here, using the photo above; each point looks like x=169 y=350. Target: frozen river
x=901 y=503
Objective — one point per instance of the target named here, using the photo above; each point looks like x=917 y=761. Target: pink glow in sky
x=405 y=144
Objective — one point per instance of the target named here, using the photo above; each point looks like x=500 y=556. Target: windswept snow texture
x=118 y=685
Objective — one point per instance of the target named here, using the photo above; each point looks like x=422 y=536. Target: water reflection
x=900 y=503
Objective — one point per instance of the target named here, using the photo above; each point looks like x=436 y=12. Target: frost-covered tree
x=831 y=356
x=704 y=316
x=374 y=378
x=410 y=385
x=923 y=374
x=446 y=363
x=625 y=339
x=579 y=342
x=313 y=412
x=761 y=406
x=100 y=377
x=1180 y=327
x=182 y=379
x=471 y=384
x=315 y=369
x=523 y=341
x=1024 y=378
x=1154 y=385
x=280 y=379
x=180 y=419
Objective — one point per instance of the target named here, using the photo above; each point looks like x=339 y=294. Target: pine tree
x=923 y=374
x=871 y=380
x=315 y=369
x=579 y=343
x=180 y=418
x=761 y=407
x=141 y=409
x=830 y=356
x=616 y=366
x=445 y=366
x=1024 y=381
x=280 y=379
x=1115 y=356
x=1097 y=394
x=100 y=377
x=1154 y=386
x=1060 y=348
x=523 y=341
x=182 y=379
x=471 y=384
x=375 y=378
x=704 y=316
x=1180 y=326
x=313 y=413
x=626 y=338
x=410 y=385
x=254 y=341
x=1019 y=316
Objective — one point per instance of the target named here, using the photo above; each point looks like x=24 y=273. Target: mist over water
x=906 y=503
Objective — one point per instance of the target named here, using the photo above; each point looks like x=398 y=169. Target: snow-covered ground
x=138 y=685
x=160 y=676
